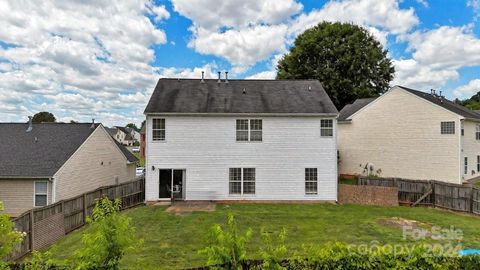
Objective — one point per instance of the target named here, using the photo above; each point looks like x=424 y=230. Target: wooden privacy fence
x=44 y=226
x=463 y=198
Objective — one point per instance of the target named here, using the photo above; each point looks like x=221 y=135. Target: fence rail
x=463 y=198
x=43 y=226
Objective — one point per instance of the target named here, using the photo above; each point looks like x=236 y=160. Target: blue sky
x=101 y=59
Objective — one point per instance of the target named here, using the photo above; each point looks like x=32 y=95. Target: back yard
x=172 y=241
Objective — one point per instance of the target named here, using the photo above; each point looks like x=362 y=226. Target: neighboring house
x=263 y=140
x=142 y=141
x=43 y=163
x=409 y=134
x=126 y=136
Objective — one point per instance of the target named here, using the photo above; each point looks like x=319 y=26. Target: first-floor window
x=41 y=189
x=311 y=178
x=242 y=181
x=465 y=169
x=478 y=163
x=477 y=132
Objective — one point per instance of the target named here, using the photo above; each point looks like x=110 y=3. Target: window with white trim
x=242 y=181
x=478 y=163
x=311 y=178
x=41 y=193
x=447 y=127
x=249 y=130
x=326 y=128
x=462 y=129
x=158 y=129
x=477 y=132
x=465 y=166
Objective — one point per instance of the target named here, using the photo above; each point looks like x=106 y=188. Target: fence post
x=471 y=199
x=85 y=208
x=32 y=236
x=432 y=186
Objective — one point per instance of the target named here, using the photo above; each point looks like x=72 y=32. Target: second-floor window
x=447 y=127
x=249 y=130
x=465 y=165
x=158 y=129
x=326 y=128
x=477 y=132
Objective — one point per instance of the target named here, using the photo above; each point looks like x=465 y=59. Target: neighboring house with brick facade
x=43 y=163
x=410 y=134
x=233 y=140
x=142 y=141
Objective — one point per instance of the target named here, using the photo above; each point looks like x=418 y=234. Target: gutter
x=25 y=177
x=243 y=114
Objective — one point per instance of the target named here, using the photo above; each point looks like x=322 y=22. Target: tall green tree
x=44 y=117
x=133 y=126
x=345 y=58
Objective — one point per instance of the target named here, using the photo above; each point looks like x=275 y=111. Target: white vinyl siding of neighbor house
x=206 y=147
x=470 y=149
x=98 y=162
x=400 y=134
x=18 y=195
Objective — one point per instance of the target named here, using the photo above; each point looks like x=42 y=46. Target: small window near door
x=158 y=129
x=326 y=128
x=311 y=178
x=41 y=191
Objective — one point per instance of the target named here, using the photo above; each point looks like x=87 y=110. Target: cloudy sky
x=101 y=59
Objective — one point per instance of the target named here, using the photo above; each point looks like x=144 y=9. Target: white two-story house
x=226 y=140
x=410 y=134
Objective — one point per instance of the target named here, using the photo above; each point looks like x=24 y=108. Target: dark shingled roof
x=240 y=96
x=130 y=157
x=42 y=151
x=445 y=103
x=350 y=109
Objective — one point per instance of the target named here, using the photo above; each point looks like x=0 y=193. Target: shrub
x=273 y=252
x=112 y=234
x=227 y=247
x=9 y=237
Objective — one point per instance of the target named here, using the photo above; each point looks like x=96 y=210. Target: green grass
x=141 y=160
x=347 y=181
x=477 y=184
x=172 y=241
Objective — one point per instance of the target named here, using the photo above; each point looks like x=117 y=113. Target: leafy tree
x=111 y=235
x=45 y=117
x=9 y=237
x=273 y=250
x=348 y=61
x=133 y=126
x=473 y=103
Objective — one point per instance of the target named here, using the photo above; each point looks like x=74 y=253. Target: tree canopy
x=348 y=61
x=132 y=126
x=44 y=117
x=473 y=103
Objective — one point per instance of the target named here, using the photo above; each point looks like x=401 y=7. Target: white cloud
x=192 y=73
x=78 y=58
x=475 y=5
x=213 y=14
x=242 y=47
x=385 y=15
x=468 y=90
x=411 y=73
x=264 y=75
x=424 y=3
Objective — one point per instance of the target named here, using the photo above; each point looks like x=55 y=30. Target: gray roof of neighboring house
x=130 y=157
x=350 y=109
x=127 y=131
x=111 y=131
x=142 y=131
x=240 y=96
x=42 y=151
x=445 y=103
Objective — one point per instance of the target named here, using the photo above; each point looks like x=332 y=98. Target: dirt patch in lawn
x=400 y=223
x=181 y=208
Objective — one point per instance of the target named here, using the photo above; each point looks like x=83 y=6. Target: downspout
x=460 y=150
x=54 y=189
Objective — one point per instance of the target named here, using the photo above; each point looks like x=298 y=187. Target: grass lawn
x=172 y=241
x=346 y=181
x=477 y=184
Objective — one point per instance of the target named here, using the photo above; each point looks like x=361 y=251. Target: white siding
x=206 y=147
x=470 y=149
x=400 y=134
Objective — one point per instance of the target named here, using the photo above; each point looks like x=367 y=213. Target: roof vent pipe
x=93 y=123
x=30 y=126
x=203 y=74
x=219 y=80
x=226 y=76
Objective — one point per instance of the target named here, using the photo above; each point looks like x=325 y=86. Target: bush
x=273 y=253
x=9 y=237
x=227 y=247
x=111 y=236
